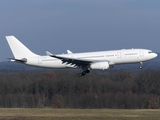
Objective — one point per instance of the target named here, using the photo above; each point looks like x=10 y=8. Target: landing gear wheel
x=83 y=73
x=80 y=74
x=87 y=71
x=141 y=65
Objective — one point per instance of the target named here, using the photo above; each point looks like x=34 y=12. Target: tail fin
x=18 y=49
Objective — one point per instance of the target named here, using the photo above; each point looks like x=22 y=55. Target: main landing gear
x=84 y=72
x=141 y=65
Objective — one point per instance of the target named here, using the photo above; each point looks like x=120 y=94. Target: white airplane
x=101 y=60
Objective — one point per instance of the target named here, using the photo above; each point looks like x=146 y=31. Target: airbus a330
x=100 y=60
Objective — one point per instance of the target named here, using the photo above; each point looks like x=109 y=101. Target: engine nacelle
x=100 y=65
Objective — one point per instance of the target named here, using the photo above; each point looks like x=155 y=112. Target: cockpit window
x=150 y=52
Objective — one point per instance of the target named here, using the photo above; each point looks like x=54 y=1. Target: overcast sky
x=80 y=25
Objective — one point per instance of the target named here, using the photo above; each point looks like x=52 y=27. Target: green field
x=78 y=114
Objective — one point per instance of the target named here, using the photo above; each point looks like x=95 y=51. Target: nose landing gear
x=141 y=65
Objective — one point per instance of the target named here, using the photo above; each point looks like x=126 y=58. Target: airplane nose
x=155 y=55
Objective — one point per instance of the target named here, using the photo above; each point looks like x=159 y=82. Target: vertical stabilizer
x=18 y=49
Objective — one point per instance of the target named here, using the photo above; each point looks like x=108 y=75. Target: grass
x=78 y=114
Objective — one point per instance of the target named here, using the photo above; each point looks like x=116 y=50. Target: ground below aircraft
x=100 y=60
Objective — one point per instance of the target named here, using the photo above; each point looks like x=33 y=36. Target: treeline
x=64 y=89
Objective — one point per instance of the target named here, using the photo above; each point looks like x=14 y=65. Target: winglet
x=69 y=52
x=49 y=54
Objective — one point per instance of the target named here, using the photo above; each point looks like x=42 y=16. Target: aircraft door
x=118 y=55
x=39 y=61
x=141 y=53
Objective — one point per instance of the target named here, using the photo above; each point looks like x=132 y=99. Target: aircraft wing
x=73 y=61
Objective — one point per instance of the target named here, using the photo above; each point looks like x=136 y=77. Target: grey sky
x=80 y=25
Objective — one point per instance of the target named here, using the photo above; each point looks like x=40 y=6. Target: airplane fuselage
x=101 y=60
x=124 y=56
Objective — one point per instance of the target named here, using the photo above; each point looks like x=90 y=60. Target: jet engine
x=100 y=65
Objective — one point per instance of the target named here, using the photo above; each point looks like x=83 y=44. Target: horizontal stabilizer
x=23 y=60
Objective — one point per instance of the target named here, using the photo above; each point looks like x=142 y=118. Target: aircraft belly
x=47 y=63
x=53 y=64
x=124 y=60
